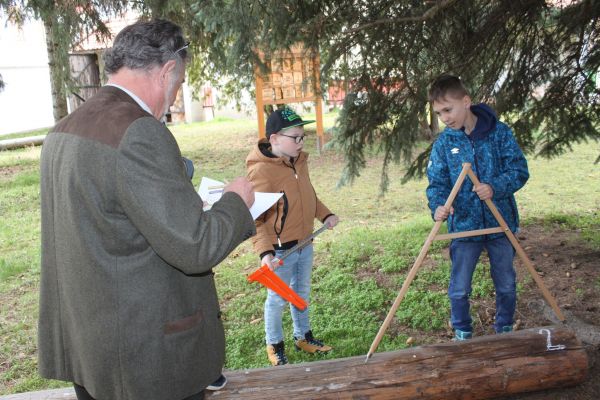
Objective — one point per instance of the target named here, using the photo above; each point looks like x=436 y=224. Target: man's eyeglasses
x=297 y=139
x=185 y=46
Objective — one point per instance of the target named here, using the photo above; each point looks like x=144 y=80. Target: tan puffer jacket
x=292 y=217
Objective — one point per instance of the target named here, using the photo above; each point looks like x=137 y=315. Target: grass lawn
x=359 y=266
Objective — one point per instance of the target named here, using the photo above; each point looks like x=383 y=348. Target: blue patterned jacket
x=495 y=158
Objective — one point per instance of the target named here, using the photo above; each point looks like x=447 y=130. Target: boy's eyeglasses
x=297 y=139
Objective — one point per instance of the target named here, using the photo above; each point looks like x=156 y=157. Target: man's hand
x=331 y=221
x=442 y=212
x=484 y=191
x=243 y=188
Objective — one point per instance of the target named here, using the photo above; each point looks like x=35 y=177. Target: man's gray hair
x=146 y=44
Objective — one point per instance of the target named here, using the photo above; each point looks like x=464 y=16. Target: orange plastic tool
x=266 y=277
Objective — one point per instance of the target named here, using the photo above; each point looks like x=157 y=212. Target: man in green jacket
x=128 y=306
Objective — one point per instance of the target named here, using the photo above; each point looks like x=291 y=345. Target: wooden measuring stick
x=413 y=271
x=513 y=240
x=432 y=236
x=478 y=232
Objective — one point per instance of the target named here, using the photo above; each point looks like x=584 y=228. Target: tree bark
x=57 y=87
x=482 y=368
x=435 y=125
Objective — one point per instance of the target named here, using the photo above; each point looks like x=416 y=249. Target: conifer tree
x=535 y=61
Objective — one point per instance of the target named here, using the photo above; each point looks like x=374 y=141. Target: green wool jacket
x=128 y=306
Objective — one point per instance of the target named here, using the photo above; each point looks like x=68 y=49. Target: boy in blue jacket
x=473 y=134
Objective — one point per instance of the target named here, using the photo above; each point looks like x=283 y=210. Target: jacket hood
x=262 y=153
x=486 y=120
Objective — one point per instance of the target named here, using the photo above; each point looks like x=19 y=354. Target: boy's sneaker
x=505 y=329
x=218 y=384
x=462 y=335
x=276 y=354
x=311 y=345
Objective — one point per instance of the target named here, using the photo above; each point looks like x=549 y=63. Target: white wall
x=194 y=111
x=26 y=102
x=230 y=108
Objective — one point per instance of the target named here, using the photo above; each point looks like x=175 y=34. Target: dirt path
x=571 y=271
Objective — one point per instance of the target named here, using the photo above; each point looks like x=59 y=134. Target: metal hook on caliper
x=549 y=345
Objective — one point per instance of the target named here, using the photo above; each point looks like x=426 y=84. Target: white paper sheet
x=213 y=195
x=262 y=201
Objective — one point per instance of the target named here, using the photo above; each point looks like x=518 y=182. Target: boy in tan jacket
x=277 y=164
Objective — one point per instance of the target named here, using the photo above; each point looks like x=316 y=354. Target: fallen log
x=482 y=368
x=9 y=144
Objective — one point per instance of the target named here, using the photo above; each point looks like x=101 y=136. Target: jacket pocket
x=284 y=213
x=183 y=324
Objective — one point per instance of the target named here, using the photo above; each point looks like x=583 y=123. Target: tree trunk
x=434 y=126
x=57 y=86
x=9 y=144
x=481 y=368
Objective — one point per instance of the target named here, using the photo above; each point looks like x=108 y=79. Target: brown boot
x=276 y=354
x=311 y=345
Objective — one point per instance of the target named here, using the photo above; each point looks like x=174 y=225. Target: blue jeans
x=464 y=256
x=295 y=272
